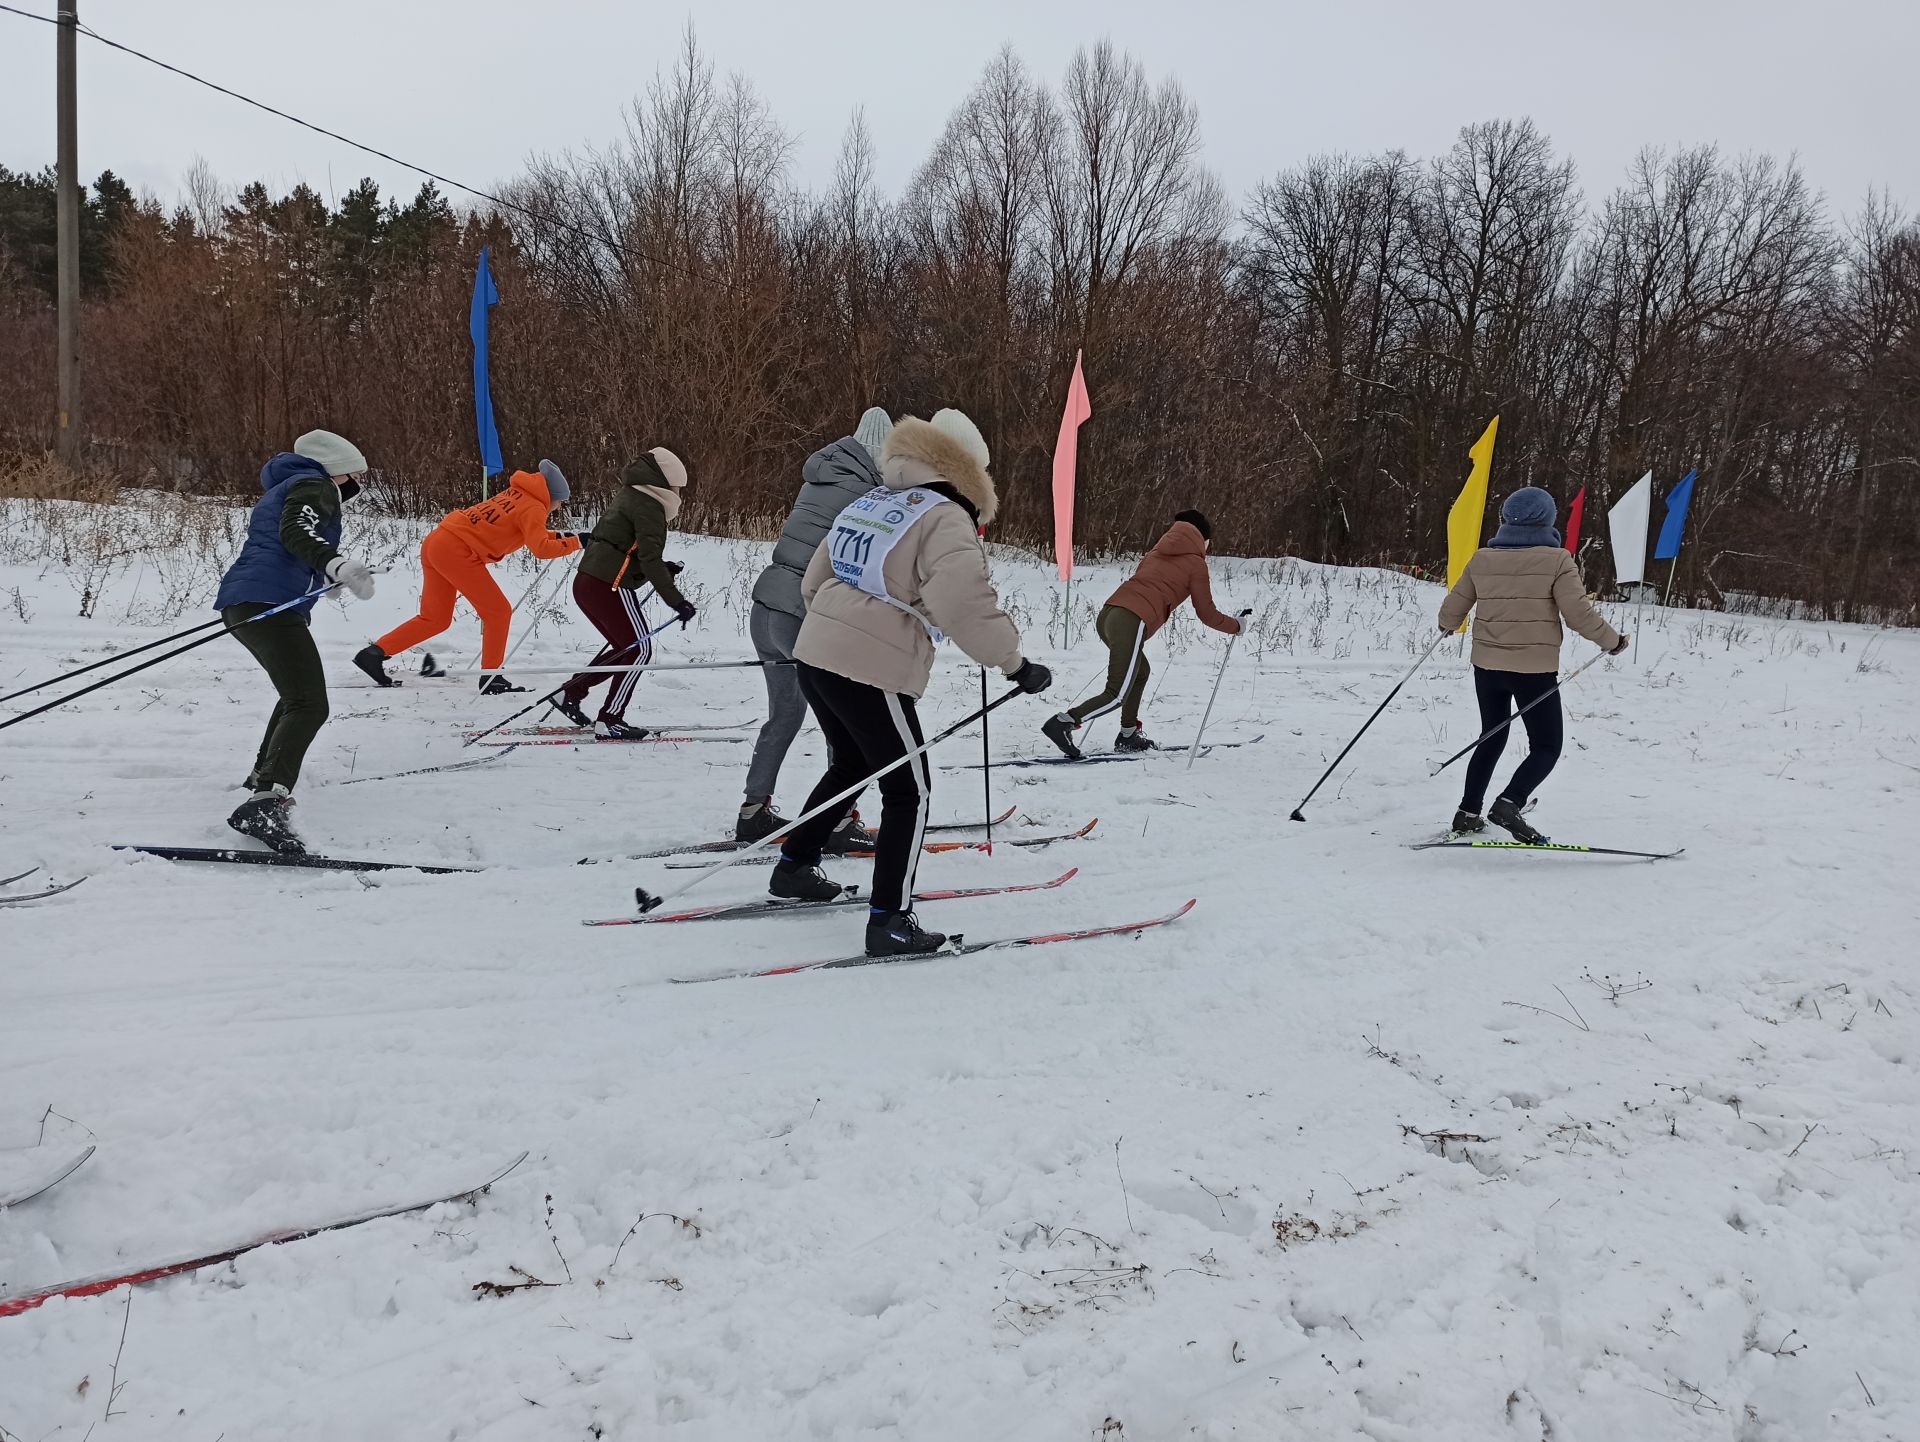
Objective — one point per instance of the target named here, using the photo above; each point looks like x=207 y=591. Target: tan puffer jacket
x=938 y=567
x=1518 y=598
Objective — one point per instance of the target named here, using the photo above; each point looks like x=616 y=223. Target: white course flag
x=1627 y=528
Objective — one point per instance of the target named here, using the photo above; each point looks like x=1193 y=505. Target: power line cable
x=486 y=195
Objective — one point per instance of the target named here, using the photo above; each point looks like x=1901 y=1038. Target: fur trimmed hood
x=919 y=454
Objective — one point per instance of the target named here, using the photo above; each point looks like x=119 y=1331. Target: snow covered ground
x=1376 y=1144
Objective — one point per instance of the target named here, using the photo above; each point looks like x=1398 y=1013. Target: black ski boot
x=429 y=666
x=571 y=710
x=263 y=816
x=371 y=659
x=1504 y=814
x=1467 y=822
x=850 y=836
x=757 y=822
x=498 y=685
x=1059 y=730
x=614 y=729
x=898 y=933
x=793 y=882
x=1133 y=738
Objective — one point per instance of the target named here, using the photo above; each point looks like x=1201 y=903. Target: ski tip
x=1192 y=901
x=1064 y=877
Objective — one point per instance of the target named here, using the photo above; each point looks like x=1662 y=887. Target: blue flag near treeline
x=1677 y=502
x=485 y=296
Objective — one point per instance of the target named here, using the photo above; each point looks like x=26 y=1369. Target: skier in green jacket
x=625 y=552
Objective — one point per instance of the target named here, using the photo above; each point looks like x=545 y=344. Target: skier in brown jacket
x=1519 y=588
x=1172 y=572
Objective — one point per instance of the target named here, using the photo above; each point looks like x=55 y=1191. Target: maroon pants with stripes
x=619 y=615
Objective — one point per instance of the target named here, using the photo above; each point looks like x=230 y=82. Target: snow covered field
x=1376 y=1144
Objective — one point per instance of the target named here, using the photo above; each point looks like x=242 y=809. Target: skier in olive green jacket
x=625 y=552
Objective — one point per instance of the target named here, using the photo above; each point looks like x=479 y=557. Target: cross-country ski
x=1166 y=588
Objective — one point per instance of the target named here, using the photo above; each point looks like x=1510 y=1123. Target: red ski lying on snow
x=11 y=1306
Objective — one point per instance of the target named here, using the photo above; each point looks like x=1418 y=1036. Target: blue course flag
x=485 y=296
x=1676 y=521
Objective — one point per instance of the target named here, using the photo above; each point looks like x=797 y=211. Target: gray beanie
x=1529 y=506
x=558 y=490
x=872 y=432
x=339 y=455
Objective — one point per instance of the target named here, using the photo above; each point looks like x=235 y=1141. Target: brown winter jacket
x=1518 y=598
x=1175 y=569
x=938 y=567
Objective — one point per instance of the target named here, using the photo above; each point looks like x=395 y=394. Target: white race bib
x=865 y=534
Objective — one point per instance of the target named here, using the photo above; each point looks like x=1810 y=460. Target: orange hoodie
x=1175 y=569
x=502 y=524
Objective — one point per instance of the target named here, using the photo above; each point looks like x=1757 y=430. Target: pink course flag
x=1066 y=455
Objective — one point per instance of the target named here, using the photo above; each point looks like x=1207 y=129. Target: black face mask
x=349 y=489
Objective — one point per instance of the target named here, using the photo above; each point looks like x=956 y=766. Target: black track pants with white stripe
x=866 y=728
x=1126 y=638
x=617 y=614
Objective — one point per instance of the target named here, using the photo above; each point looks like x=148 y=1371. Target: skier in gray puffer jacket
x=833 y=478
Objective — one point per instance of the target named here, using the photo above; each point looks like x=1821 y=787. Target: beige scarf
x=669 y=499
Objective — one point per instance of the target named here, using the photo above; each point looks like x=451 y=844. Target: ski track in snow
x=1169 y=1187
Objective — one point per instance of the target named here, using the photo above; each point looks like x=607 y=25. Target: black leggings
x=865 y=729
x=1498 y=693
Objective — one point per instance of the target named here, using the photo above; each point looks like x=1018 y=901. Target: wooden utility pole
x=68 y=247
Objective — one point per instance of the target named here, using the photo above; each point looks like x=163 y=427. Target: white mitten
x=352 y=574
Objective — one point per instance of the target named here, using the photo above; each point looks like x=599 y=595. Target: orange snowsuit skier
x=455 y=557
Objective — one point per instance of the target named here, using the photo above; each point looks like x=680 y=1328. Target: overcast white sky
x=471 y=89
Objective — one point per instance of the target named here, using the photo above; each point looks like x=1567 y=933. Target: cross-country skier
x=899 y=568
x=1519 y=588
x=454 y=560
x=1174 y=571
x=833 y=478
x=292 y=547
x=625 y=552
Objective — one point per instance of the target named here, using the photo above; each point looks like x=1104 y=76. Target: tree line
x=1308 y=366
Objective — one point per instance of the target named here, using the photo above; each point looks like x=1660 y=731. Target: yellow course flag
x=1470 y=509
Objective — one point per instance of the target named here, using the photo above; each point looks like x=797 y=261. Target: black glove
x=674 y=566
x=1032 y=677
x=686 y=611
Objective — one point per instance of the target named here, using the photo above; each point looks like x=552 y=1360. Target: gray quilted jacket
x=833 y=478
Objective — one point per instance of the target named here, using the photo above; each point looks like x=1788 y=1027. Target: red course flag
x=1573 y=521
x=1066 y=455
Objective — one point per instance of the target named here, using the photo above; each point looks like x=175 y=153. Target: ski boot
x=1504 y=814
x=850 y=836
x=371 y=659
x=612 y=728
x=898 y=933
x=263 y=816
x=793 y=882
x=758 y=821
x=498 y=685
x=1465 y=823
x=429 y=666
x=1133 y=738
x=571 y=710
x=1059 y=730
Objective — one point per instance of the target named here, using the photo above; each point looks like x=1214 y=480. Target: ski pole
x=166 y=656
x=1496 y=730
x=1219 y=676
x=539 y=579
x=986 y=761
x=651 y=902
x=109 y=660
x=1297 y=816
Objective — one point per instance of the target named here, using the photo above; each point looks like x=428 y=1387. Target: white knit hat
x=671 y=466
x=957 y=427
x=872 y=432
x=339 y=455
